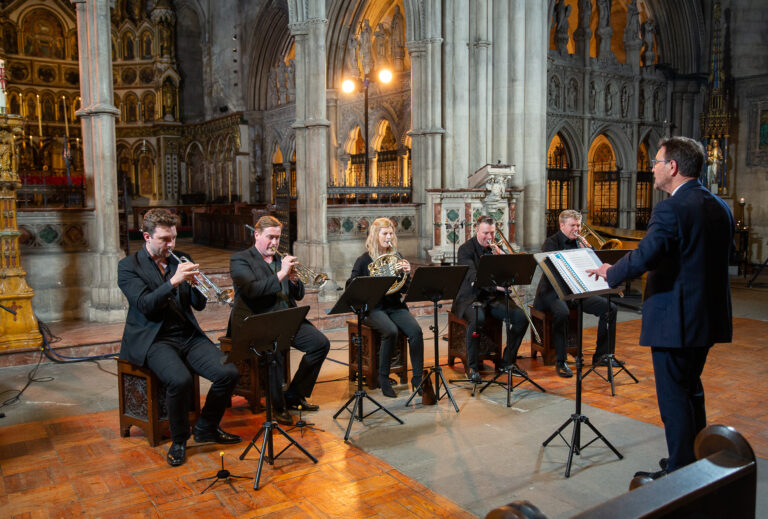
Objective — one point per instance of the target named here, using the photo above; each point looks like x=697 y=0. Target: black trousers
x=680 y=395
x=315 y=346
x=173 y=359
x=387 y=322
x=595 y=305
x=497 y=308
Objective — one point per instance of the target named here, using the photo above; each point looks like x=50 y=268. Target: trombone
x=503 y=245
x=306 y=275
x=207 y=287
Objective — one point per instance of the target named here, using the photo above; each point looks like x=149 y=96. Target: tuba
x=389 y=265
x=207 y=287
x=594 y=239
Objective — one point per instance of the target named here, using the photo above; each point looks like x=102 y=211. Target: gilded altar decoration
x=18 y=325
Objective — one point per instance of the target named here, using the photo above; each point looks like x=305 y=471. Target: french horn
x=389 y=265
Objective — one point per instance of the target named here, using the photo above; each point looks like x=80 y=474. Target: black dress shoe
x=282 y=416
x=563 y=370
x=386 y=387
x=216 y=435
x=295 y=403
x=651 y=475
x=474 y=376
x=177 y=454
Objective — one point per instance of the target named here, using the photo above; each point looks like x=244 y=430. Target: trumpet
x=306 y=275
x=207 y=287
x=504 y=246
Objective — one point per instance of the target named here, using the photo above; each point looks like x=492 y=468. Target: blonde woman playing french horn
x=391 y=314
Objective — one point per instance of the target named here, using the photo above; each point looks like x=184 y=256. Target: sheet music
x=572 y=266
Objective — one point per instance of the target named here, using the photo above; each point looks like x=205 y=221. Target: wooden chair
x=371 y=346
x=543 y=323
x=142 y=402
x=249 y=384
x=490 y=340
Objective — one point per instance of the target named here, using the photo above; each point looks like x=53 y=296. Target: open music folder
x=572 y=266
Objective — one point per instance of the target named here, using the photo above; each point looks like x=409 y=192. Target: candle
x=39 y=117
x=2 y=86
x=66 y=123
x=741 y=200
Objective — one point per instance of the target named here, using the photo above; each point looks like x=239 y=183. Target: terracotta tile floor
x=734 y=380
x=78 y=466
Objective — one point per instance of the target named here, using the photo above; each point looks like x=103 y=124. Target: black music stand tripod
x=265 y=335
x=577 y=418
x=362 y=294
x=611 y=256
x=435 y=284
x=504 y=271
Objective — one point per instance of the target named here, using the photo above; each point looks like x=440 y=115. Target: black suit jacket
x=545 y=292
x=469 y=254
x=148 y=298
x=256 y=286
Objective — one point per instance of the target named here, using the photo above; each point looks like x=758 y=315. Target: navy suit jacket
x=148 y=298
x=687 y=301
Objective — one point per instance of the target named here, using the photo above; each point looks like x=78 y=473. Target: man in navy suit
x=161 y=333
x=265 y=282
x=687 y=304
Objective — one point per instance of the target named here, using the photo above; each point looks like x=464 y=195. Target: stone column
x=425 y=48
x=97 y=117
x=19 y=330
x=535 y=126
x=479 y=86
x=308 y=26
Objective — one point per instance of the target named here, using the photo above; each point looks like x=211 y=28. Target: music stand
x=577 y=418
x=435 y=284
x=611 y=256
x=506 y=270
x=264 y=335
x=362 y=294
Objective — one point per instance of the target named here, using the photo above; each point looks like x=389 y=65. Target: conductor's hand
x=287 y=269
x=185 y=272
x=600 y=272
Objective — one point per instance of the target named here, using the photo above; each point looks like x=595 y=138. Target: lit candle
x=66 y=123
x=39 y=117
x=741 y=200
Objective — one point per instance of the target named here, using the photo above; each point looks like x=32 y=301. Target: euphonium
x=207 y=287
x=598 y=242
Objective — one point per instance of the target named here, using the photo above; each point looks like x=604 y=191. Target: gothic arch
x=622 y=148
x=269 y=40
x=572 y=139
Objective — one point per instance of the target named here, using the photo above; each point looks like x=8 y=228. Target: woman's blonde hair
x=372 y=243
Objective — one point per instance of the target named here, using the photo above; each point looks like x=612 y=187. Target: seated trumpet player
x=265 y=282
x=161 y=333
x=568 y=237
x=489 y=301
x=391 y=314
